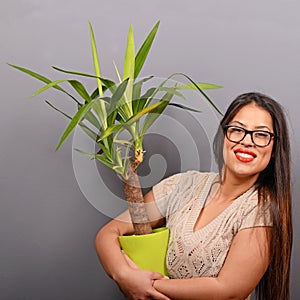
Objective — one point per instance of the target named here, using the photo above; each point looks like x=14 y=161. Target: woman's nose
x=247 y=140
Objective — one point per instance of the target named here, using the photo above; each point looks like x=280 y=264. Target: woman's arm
x=134 y=283
x=246 y=262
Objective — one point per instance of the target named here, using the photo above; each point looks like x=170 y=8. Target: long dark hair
x=273 y=183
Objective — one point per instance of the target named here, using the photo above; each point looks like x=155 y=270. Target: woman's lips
x=244 y=155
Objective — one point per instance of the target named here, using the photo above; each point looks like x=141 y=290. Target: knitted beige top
x=200 y=253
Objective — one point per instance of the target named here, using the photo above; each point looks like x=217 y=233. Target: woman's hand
x=137 y=284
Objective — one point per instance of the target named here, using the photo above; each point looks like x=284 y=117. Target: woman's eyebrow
x=239 y=123
x=262 y=127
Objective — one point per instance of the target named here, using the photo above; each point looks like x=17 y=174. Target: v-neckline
x=199 y=205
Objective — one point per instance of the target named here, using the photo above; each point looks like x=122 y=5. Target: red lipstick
x=244 y=155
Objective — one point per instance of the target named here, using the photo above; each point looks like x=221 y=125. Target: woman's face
x=245 y=159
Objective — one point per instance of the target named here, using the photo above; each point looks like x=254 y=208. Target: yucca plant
x=117 y=107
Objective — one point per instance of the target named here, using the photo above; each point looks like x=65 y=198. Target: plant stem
x=136 y=205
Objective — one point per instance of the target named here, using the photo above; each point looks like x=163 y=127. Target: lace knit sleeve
x=164 y=191
x=172 y=192
x=255 y=216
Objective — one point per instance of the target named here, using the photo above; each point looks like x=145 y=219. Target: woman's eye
x=261 y=135
x=236 y=130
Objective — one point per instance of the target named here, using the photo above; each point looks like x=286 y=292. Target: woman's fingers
x=156 y=276
x=140 y=286
x=158 y=296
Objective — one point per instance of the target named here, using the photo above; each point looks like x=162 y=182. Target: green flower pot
x=148 y=251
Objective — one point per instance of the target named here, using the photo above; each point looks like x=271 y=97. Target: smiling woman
x=273 y=181
x=231 y=233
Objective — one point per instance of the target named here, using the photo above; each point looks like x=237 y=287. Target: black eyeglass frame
x=272 y=135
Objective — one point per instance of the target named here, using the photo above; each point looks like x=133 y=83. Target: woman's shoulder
x=175 y=190
x=183 y=182
x=253 y=212
x=191 y=175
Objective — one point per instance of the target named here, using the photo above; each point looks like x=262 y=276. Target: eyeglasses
x=236 y=134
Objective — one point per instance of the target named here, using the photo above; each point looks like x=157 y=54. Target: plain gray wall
x=47 y=227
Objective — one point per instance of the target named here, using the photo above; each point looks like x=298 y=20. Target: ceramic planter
x=148 y=251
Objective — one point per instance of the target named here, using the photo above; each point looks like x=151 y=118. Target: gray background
x=47 y=226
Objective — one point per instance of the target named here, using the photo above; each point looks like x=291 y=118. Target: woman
x=230 y=232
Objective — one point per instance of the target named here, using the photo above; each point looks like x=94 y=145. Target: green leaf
x=99 y=107
x=43 y=79
x=196 y=86
x=157 y=89
x=199 y=89
x=74 y=72
x=128 y=72
x=75 y=121
x=136 y=94
x=129 y=59
x=95 y=93
x=80 y=89
x=144 y=50
x=118 y=169
x=184 y=107
x=111 y=118
x=150 y=118
x=105 y=150
x=35 y=75
x=58 y=110
x=145 y=98
x=123 y=142
x=99 y=157
x=117 y=95
x=172 y=90
x=87 y=130
x=107 y=83
x=96 y=60
x=117 y=72
x=114 y=103
x=90 y=117
x=46 y=87
x=144 y=111
x=110 y=130
x=116 y=156
x=201 y=85
x=75 y=84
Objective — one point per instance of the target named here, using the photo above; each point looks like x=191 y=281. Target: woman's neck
x=232 y=187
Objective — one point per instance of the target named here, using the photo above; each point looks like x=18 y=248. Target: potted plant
x=108 y=111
